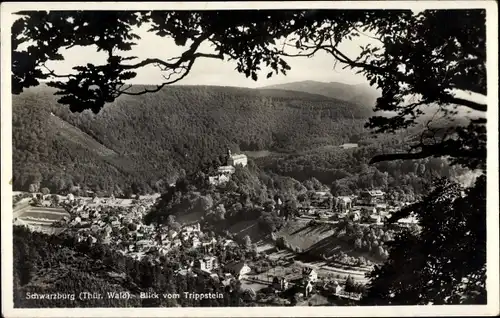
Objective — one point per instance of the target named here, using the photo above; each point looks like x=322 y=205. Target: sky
x=321 y=67
x=217 y=72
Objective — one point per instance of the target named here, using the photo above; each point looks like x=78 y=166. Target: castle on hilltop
x=234 y=160
x=224 y=172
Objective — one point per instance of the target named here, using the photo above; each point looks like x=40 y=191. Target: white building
x=238 y=269
x=219 y=179
x=192 y=228
x=310 y=275
x=408 y=221
x=239 y=159
x=195 y=242
x=208 y=263
x=349 y=146
x=376 y=218
x=344 y=203
x=226 y=170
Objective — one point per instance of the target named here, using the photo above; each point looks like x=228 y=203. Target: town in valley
x=119 y=224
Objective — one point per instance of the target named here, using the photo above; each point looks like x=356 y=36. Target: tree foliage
x=232 y=34
x=419 y=59
x=444 y=261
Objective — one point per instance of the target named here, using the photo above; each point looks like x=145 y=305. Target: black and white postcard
x=239 y=159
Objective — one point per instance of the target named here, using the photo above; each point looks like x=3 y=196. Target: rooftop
x=235 y=266
x=238 y=156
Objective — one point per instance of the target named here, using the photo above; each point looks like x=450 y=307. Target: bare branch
x=369 y=36
x=186 y=69
x=52 y=74
x=189 y=55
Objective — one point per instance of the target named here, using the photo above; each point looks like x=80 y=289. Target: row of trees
x=371 y=240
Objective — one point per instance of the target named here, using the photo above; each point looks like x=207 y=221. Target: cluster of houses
x=373 y=204
x=123 y=227
x=224 y=172
x=369 y=206
x=134 y=238
x=210 y=266
x=306 y=283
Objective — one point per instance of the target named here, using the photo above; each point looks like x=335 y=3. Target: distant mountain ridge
x=361 y=94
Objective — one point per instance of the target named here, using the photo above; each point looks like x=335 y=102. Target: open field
x=189 y=218
x=246 y=284
x=21 y=207
x=316 y=300
x=318 y=240
x=44 y=213
x=300 y=234
x=258 y=154
x=49 y=215
x=35 y=221
x=75 y=135
x=40 y=218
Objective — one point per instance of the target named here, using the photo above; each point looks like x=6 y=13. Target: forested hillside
x=347 y=170
x=140 y=143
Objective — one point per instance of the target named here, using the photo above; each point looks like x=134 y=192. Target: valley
x=135 y=182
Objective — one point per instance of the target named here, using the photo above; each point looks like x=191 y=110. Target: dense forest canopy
x=422 y=58
x=149 y=139
x=132 y=146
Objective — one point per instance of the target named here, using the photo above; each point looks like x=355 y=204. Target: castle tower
x=229 y=160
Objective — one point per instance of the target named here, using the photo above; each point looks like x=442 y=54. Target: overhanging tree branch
x=167 y=82
x=465 y=102
x=188 y=55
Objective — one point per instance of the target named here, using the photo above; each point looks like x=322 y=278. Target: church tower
x=229 y=160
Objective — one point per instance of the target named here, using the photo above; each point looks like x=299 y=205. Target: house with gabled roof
x=310 y=274
x=238 y=269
